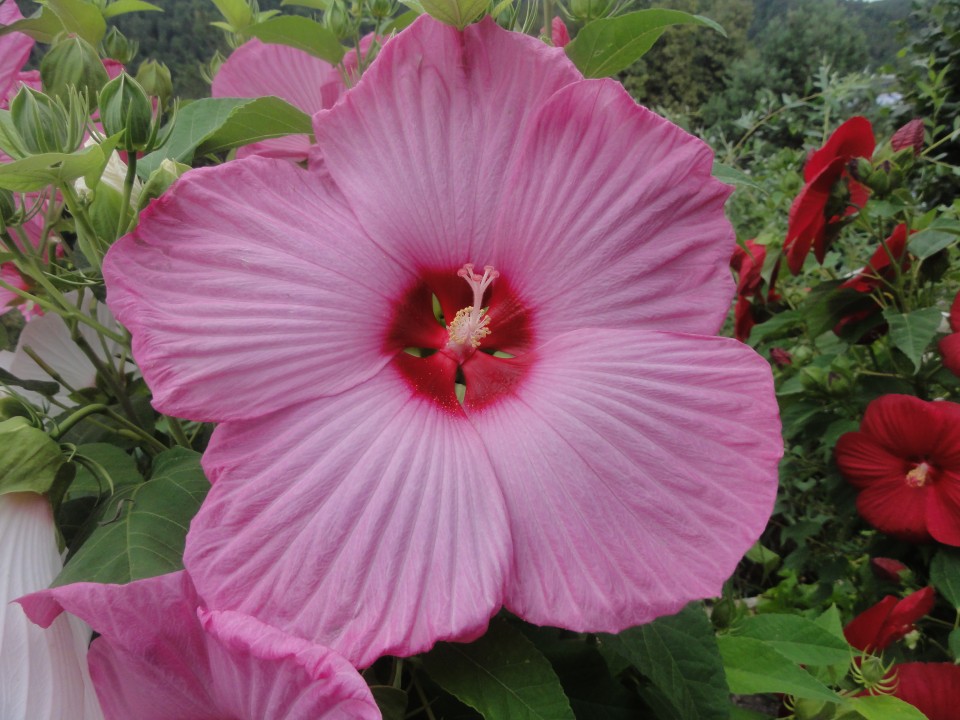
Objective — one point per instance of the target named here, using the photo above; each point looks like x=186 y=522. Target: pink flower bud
x=910 y=135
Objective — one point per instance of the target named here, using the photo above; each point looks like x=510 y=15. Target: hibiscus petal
x=637 y=469
x=894 y=507
x=943 y=508
x=437 y=119
x=932 y=688
x=863 y=461
x=610 y=212
x=157 y=660
x=249 y=284
x=950 y=350
x=372 y=523
x=852 y=139
x=43 y=673
x=256 y=69
x=14 y=50
x=286 y=678
x=903 y=424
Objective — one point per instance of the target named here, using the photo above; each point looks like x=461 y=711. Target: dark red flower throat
x=437 y=350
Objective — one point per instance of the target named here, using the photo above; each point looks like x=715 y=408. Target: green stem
x=128 y=182
x=176 y=429
x=64 y=427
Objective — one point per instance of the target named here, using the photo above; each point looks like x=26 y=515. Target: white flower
x=43 y=673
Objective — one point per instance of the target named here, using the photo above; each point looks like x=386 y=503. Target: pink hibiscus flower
x=950 y=345
x=888 y=620
x=159 y=656
x=905 y=461
x=611 y=463
x=256 y=69
x=829 y=195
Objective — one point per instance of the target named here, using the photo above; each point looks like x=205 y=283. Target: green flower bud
x=117 y=46
x=587 y=10
x=125 y=107
x=73 y=62
x=381 y=9
x=155 y=79
x=161 y=179
x=46 y=125
x=29 y=458
x=339 y=21
x=10 y=407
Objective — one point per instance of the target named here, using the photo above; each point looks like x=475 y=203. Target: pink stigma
x=469 y=326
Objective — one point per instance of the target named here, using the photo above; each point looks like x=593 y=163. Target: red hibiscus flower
x=932 y=688
x=830 y=194
x=878 y=271
x=748 y=264
x=905 y=461
x=889 y=620
x=950 y=345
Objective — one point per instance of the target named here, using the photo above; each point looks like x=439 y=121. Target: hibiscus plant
x=419 y=371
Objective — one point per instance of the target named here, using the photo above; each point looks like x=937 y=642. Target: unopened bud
x=10 y=407
x=73 y=62
x=8 y=209
x=860 y=169
x=338 y=21
x=161 y=179
x=587 y=10
x=382 y=8
x=125 y=107
x=46 y=125
x=117 y=46
x=909 y=136
x=155 y=78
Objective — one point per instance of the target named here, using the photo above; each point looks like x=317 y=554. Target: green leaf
x=215 y=124
x=796 y=638
x=391 y=701
x=953 y=642
x=29 y=458
x=401 y=22
x=43 y=26
x=884 y=707
x=679 y=655
x=238 y=13
x=142 y=529
x=781 y=324
x=458 y=13
x=501 y=675
x=122 y=7
x=763 y=556
x=607 y=46
x=302 y=33
x=102 y=467
x=945 y=575
x=44 y=387
x=752 y=666
x=82 y=18
x=586 y=677
x=912 y=333
x=38 y=171
x=738 y=178
x=930 y=241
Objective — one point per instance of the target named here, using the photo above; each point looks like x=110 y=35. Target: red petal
x=902 y=424
x=943 y=509
x=863 y=461
x=932 y=688
x=864 y=630
x=852 y=139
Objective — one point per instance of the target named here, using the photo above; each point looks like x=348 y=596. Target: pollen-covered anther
x=919 y=475
x=470 y=324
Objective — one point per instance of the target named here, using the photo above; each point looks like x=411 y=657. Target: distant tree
x=689 y=64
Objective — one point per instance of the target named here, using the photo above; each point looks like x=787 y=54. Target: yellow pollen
x=468 y=328
x=918 y=476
